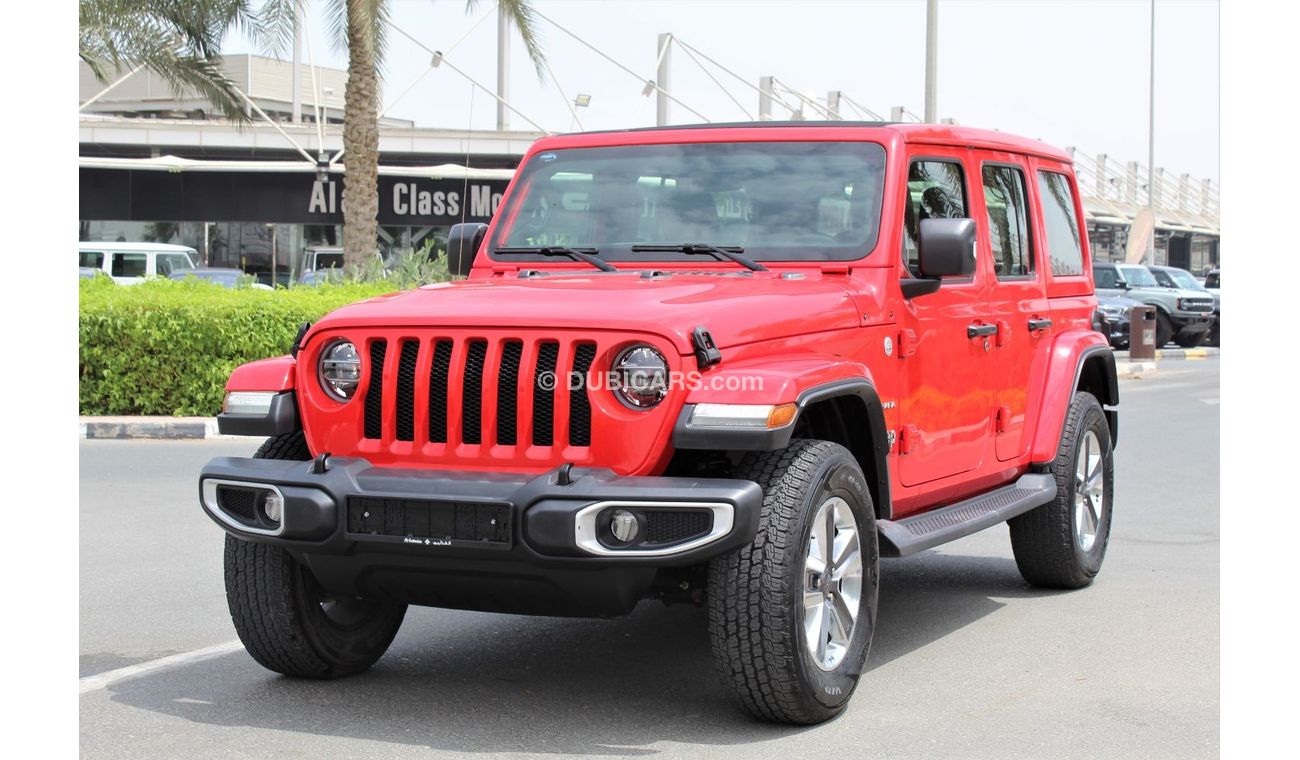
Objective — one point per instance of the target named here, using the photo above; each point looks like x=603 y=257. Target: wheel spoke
x=848 y=564
x=811 y=599
x=818 y=549
x=844 y=614
x=814 y=564
x=830 y=538
x=823 y=634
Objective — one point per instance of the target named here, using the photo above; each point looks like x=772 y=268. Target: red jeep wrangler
x=730 y=365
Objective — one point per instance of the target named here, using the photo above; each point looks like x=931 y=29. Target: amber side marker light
x=743 y=415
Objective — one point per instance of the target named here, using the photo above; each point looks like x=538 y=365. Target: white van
x=129 y=263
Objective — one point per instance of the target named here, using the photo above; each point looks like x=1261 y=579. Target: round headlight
x=340 y=370
x=641 y=377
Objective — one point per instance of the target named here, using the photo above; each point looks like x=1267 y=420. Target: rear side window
x=167 y=263
x=1004 y=197
x=1064 y=247
x=129 y=264
x=935 y=190
x=92 y=259
x=1105 y=277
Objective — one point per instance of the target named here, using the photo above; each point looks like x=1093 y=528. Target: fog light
x=623 y=525
x=273 y=507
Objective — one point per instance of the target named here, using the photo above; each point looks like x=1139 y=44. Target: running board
x=899 y=538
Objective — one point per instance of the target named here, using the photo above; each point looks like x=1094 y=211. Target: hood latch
x=706 y=351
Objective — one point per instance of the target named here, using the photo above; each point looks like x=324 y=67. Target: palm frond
x=521 y=14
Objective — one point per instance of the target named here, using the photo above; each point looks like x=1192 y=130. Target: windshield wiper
x=732 y=253
x=577 y=254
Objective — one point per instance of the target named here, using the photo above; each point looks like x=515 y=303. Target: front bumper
x=488 y=541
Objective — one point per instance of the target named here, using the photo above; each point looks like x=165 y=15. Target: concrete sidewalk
x=148 y=427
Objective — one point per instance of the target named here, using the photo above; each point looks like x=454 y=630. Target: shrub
x=168 y=347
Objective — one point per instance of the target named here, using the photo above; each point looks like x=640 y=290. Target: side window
x=1163 y=279
x=129 y=264
x=1064 y=249
x=1105 y=278
x=1004 y=197
x=935 y=190
x=92 y=259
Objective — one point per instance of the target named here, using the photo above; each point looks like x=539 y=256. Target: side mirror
x=947 y=247
x=462 y=244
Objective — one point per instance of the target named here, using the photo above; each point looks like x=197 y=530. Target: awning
x=177 y=165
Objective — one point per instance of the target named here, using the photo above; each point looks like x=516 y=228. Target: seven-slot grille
x=1198 y=304
x=502 y=391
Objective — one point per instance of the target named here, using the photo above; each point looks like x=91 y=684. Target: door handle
x=977 y=330
x=1039 y=324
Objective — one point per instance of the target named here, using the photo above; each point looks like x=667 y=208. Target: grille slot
x=374 y=427
x=670 y=527
x=508 y=393
x=238 y=502
x=548 y=354
x=406 y=390
x=439 y=372
x=472 y=393
x=579 y=405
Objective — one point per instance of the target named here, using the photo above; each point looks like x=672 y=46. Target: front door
x=947 y=378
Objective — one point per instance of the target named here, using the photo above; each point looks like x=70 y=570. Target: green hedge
x=167 y=347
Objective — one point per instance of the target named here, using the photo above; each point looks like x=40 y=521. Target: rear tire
x=775 y=622
x=287 y=622
x=1191 y=341
x=1062 y=543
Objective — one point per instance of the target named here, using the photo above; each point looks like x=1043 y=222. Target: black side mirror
x=947 y=247
x=462 y=244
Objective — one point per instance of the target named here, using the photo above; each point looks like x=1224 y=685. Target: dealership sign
x=286 y=197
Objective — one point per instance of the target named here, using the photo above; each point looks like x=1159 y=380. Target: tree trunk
x=360 y=142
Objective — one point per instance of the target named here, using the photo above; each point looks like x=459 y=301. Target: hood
x=736 y=309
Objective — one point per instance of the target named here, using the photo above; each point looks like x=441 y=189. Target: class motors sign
x=284 y=197
x=415 y=202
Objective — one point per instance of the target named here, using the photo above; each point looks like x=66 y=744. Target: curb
x=1176 y=354
x=1134 y=369
x=159 y=428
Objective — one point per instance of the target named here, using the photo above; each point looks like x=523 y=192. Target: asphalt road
x=967 y=662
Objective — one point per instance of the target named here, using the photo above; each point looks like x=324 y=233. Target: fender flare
x=1048 y=433
x=751 y=439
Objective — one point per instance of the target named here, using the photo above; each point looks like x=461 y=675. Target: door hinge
x=1003 y=419
x=907 y=438
x=1004 y=333
x=906 y=343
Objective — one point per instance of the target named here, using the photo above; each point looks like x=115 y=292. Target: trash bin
x=1142 y=333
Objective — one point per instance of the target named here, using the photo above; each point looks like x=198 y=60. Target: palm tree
x=363 y=26
x=179 y=40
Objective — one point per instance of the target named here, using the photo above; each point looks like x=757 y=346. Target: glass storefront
x=256 y=247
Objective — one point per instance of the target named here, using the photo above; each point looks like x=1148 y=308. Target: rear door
x=129 y=267
x=947 y=376
x=1017 y=298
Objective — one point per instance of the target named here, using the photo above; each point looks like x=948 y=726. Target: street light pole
x=931 y=59
x=1151 y=142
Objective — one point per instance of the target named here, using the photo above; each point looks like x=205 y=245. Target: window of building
x=935 y=190
x=1064 y=247
x=130 y=264
x=1004 y=197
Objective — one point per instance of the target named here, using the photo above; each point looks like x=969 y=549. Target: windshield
x=1184 y=279
x=778 y=201
x=166 y=263
x=1138 y=277
x=1212 y=280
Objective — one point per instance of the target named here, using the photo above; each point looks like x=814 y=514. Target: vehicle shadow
x=480 y=683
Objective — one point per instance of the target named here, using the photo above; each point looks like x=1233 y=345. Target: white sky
x=1068 y=72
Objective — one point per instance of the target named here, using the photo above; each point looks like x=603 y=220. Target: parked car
x=319 y=276
x=228 y=278
x=1116 y=313
x=131 y=263
x=89 y=273
x=1212 y=286
x=1174 y=277
x=708 y=377
x=1184 y=316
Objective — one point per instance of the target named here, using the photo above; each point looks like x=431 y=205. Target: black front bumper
x=484 y=541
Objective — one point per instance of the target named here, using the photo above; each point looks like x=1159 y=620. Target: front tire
x=287 y=622
x=791 y=615
x=1164 y=329
x=1062 y=543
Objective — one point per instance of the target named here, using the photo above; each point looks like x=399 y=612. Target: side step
x=939 y=526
